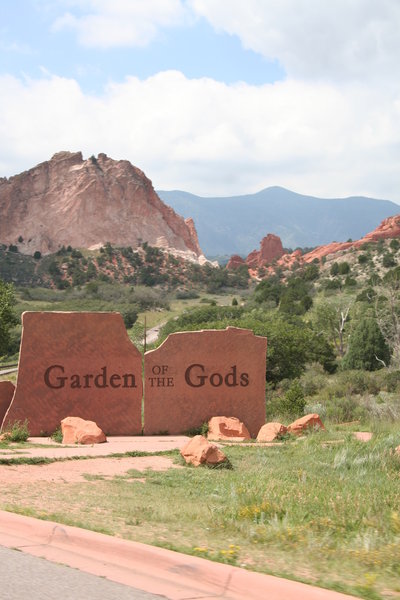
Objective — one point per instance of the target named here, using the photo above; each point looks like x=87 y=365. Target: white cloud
x=211 y=138
x=106 y=23
x=339 y=39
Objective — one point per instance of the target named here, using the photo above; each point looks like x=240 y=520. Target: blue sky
x=216 y=97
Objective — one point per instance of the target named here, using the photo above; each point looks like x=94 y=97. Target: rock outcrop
x=235 y=262
x=388 y=229
x=86 y=203
x=270 y=249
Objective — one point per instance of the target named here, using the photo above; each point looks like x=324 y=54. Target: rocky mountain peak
x=85 y=203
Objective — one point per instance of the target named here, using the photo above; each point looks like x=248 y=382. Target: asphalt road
x=26 y=577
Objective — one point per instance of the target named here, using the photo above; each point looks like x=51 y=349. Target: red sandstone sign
x=6 y=393
x=196 y=375
x=79 y=364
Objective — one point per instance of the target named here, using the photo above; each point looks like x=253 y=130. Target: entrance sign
x=77 y=364
x=6 y=393
x=196 y=375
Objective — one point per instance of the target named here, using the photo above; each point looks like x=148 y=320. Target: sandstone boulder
x=226 y=428
x=199 y=451
x=78 y=431
x=7 y=389
x=271 y=432
x=311 y=421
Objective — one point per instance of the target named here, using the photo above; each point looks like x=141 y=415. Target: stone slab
x=77 y=364
x=7 y=389
x=195 y=375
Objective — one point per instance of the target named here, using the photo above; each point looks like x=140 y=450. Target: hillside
x=233 y=225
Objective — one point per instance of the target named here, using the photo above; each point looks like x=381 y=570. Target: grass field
x=324 y=509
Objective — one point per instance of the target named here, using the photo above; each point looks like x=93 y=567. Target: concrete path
x=47 y=448
x=153 y=570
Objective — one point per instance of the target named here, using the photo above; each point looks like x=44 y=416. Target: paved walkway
x=114 y=445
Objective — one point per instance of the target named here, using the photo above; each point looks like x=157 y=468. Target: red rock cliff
x=86 y=203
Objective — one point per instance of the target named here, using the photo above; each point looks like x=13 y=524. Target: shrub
x=343 y=410
x=293 y=402
x=334 y=269
x=37 y=255
x=186 y=295
x=17 y=432
x=130 y=317
x=388 y=261
x=367 y=348
x=344 y=268
x=57 y=436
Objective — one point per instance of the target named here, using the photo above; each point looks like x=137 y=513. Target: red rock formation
x=388 y=229
x=86 y=203
x=235 y=261
x=270 y=249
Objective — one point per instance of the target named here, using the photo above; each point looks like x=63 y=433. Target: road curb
x=155 y=570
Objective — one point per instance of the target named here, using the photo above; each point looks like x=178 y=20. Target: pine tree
x=367 y=347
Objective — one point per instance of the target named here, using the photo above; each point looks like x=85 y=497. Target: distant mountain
x=234 y=225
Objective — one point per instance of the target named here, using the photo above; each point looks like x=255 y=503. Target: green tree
x=296 y=300
x=7 y=316
x=269 y=290
x=367 y=347
x=344 y=268
x=331 y=320
x=130 y=316
x=334 y=269
x=388 y=261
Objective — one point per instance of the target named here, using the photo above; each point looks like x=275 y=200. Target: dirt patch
x=74 y=470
